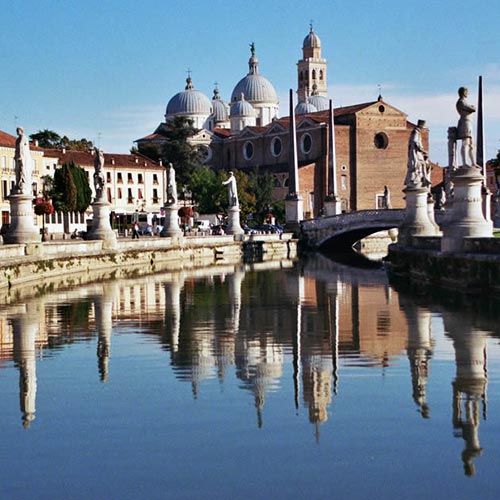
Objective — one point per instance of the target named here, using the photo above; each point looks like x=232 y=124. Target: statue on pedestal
x=464 y=127
x=22 y=159
x=418 y=174
x=171 y=185
x=99 y=180
x=232 y=190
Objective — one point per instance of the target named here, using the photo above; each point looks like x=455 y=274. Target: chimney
x=112 y=161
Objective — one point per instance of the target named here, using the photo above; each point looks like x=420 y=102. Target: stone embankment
x=38 y=263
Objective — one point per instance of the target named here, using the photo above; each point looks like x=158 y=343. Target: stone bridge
x=340 y=232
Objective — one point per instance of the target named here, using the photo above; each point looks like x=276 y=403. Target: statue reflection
x=103 y=310
x=419 y=351
x=26 y=333
x=173 y=291
x=469 y=386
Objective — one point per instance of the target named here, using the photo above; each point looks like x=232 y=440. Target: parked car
x=267 y=228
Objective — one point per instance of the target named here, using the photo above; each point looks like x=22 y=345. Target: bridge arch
x=340 y=232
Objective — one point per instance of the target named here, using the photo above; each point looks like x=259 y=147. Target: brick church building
x=371 y=139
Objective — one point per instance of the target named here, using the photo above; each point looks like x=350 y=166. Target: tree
x=177 y=149
x=495 y=164
x=83 y=191
x=207 y=191
x=262 y=185
x=150 y=151
x=71 y=191
x=49 y=139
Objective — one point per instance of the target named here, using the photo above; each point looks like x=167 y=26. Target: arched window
x=321 y=74
x=248 y=150
x=314 y=74
x=276 y=147
x=306 y=143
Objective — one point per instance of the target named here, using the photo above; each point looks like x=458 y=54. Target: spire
x=253 y=62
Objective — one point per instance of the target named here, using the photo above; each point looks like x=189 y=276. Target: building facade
x=371 y=139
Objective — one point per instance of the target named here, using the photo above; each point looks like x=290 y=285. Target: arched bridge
x=340 y=232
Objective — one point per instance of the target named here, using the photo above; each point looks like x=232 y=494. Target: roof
x=7 y=140
x=86 y=158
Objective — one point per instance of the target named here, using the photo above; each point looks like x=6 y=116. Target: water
x=304 y=380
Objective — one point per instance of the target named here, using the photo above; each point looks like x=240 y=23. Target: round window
x=248 y=150
x=276 y=146
x=381 y=140
x=306 y=143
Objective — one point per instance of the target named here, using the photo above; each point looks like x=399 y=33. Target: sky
x=106 y=69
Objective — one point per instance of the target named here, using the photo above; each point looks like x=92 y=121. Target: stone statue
x=99 y=180
x=171 y=185
x=387 y=197
x=22 y=159
x=464 y=127
x=232 y=190
x=252 y=49
x=418 y=174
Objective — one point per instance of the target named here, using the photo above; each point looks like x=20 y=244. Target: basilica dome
x=242 y=108
x=255 y=87
x=303 y=108
x=189 y=102
x=320 y=102
x=220 y=109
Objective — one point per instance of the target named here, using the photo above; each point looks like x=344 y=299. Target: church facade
x=371 y=139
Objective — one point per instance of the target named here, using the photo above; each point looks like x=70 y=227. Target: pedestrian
x=135 y=231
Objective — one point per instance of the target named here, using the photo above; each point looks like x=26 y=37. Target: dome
x=255 y=87
x=303 y=108
x=189 y=101
x=311 y=40
x=319 y=102
x=220 y=109
x=242 y=108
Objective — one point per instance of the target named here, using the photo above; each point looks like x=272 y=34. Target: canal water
x=309 y=379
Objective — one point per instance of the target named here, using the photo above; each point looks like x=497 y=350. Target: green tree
x=207 y=191
x=83 y=191
x=150 y=150
x=64 y=194
x=177 y=149
x=49 y=139
x=262 y=185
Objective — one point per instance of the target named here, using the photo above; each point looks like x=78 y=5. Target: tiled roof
x=85 y=158
x=7 y=140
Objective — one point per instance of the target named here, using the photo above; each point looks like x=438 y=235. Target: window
x=343 y=182
x=139 y=194
x=119 y=193
x=130 y=179
x=4 y=189
x=130 y=198
x=381 y=140
x=108 y=193
x=248 y=150
x=155 y=178
x=4 y=162
x=155 y=196
x=380 y=201
x=140 y=179
x=321 y=74
x=276 y=147
x=305 y=143
x=108 y=177
x=119 y=178
x=314 y=74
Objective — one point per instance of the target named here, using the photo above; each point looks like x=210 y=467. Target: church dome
x=311 y=40
x=242 y=108
x=189 y=101
x=220 y=109
x=255 y=87
x=303 y=108
x=320 y=102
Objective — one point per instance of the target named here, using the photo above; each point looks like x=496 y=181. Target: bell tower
x=311 y=69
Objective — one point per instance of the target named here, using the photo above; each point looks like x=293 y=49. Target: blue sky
x=105 y=69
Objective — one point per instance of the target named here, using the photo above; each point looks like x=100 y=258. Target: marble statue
x=418 y=173
x=99 y=180
x=232 y=191
x=387 y=197
x=171 y=185
x=22 y=159
x=464 y=127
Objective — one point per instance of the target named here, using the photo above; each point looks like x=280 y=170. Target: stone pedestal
x=416 y=221
x=22 y=228
x=430 y=212
x=294 y=213
x=171 y=227
x=467 y=219
x=333 y=206
x=233 y=221
x=101 y=226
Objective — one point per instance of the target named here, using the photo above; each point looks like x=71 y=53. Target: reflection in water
x=469 y=386
x=276 y=326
